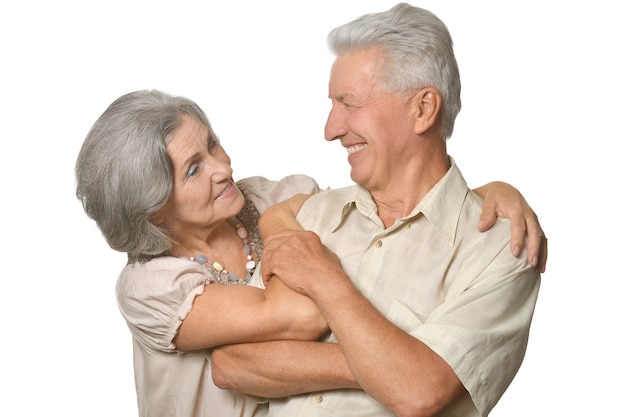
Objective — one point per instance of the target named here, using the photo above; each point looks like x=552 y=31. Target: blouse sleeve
x=264 y=192
x=155 y=297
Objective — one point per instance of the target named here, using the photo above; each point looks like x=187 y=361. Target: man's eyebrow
x=340 y=97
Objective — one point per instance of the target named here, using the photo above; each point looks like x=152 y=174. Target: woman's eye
x=193 y=170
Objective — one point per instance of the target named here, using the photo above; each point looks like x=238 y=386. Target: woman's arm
x=225 y=314
x=504 y=200
x=282 y=216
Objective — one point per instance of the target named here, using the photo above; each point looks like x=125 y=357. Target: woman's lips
x=227 y=191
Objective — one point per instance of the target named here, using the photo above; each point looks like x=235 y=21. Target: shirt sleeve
x=483 y=331
x=155 y=297
x=265 y=193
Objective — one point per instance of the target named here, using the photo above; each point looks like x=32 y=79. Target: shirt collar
x=441 y=206
x=443 y=203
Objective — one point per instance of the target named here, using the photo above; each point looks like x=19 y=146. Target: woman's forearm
x=282 y=216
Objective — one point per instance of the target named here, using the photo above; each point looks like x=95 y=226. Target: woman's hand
x=504 y=200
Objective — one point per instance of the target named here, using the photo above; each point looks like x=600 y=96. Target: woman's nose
x=220 y=170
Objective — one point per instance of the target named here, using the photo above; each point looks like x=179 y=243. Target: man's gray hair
x=419 y=52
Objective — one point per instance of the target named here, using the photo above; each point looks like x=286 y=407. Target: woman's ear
x=426 y=105
x=157 y=218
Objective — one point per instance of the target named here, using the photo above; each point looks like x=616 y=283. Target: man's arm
x=281 y=368
x=391 y=365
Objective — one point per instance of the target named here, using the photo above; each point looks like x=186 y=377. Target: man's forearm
x=281 y=368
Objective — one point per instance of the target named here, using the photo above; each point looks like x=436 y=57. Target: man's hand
x=287 y=254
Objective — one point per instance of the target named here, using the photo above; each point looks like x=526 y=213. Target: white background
x=543 y=102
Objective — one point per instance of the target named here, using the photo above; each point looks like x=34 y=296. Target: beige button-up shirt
x=434 y=275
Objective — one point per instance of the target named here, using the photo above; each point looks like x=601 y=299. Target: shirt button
x=319 y=399
x=378 y=243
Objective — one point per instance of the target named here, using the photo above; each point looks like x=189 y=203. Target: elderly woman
x=153 y=175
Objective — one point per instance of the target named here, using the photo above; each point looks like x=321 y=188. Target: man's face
x=373 y=125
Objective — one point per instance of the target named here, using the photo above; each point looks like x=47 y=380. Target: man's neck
x=400 y=198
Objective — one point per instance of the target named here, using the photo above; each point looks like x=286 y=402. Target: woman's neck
x=223 y=245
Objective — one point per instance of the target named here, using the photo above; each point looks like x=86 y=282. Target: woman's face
x=204 y=192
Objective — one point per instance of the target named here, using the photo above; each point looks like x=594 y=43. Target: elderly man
x=428 y=315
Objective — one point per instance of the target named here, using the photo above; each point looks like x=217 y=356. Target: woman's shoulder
x=299 y=182
x=148 y=284
x=264 y=192
x=154 y=296
x=162 y=270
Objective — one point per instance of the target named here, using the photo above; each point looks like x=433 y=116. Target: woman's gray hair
x=419 y=50
x=123 y=172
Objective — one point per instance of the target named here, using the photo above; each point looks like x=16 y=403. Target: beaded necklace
x=218 y=270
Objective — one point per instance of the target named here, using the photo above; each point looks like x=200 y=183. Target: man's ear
x=426 y=106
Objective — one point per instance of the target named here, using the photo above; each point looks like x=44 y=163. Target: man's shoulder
x=326 y=207
x=340 y=195
x=470 y=215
